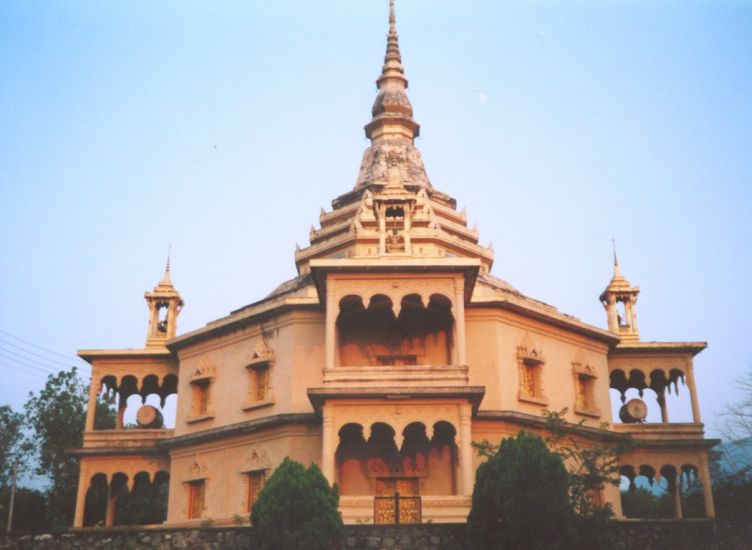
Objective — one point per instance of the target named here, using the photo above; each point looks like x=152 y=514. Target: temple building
x=390 y=353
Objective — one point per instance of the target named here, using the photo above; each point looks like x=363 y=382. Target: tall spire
x=392 y=130
x=617 y=272
x=166 y=277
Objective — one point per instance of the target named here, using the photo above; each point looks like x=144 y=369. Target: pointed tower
x=164 y=304
x=619 y=299
x=393 y=213
x=392 y=156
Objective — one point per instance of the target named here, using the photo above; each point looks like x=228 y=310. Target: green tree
x=644 y=503
x=297 y=510
x=11 y=442
x=29 y=510
x=520 y=499
x=56 y=417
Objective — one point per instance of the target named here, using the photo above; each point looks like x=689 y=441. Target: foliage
x=520 y=499
x=29 y=510
x=11 y=442
x=297 y=509
x=737 y=424
x=641 y=502
x=732 y=490
x=146 y=504
x=57 y=415
x=591 y=467
x=105 y=416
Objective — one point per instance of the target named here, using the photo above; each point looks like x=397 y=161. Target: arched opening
x=420 y=335
x=429 y=464
x=352 y=476
x=146 y=503
x=118 y=496
x=692 y=491
x=443 y=461
x=644 y=494
x=95 y=504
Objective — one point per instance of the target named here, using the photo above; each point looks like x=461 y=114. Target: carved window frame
x=192 y=487
x=530 y=361
x=259 y=372
x=202 y=398
x=585 y=379
x=250 y=498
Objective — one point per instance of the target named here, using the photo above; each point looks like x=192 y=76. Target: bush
x=521 y=499
x=297 y=509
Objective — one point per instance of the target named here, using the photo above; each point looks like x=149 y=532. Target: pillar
x=122 y=405
x=674 y=485
x=707 y=489
x=109 y=518
x=466 y=450
x=662 y=403
x=693 y=393
x=331 y=327
x=328 y=446
x=83 y=482
x=459 y=320
x=91 y=410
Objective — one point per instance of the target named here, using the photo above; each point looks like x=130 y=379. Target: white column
x=328 y=447
x=466 y=450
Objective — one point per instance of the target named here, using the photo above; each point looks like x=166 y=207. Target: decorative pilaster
x=459 y=305
x=331 y=327
x=328 y=447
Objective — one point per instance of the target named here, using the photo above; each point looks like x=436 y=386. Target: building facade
x=382 y=361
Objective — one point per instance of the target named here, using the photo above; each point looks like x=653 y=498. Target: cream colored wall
x=222 y=463
x=493 y=336
x=296 y=341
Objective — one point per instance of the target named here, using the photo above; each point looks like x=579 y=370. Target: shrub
x=521 y=499
x=297 y=509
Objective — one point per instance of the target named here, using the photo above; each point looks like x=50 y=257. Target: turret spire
x=617 y=273
x=619 y=300
x=164 y=304
x=392 y=156
x=166 y=276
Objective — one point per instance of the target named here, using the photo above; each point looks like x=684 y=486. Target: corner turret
x=164 y=304
x=619 y=300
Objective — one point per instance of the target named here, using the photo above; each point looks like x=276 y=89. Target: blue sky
x=222 y=128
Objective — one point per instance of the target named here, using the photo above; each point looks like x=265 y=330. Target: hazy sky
x=222 y=128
